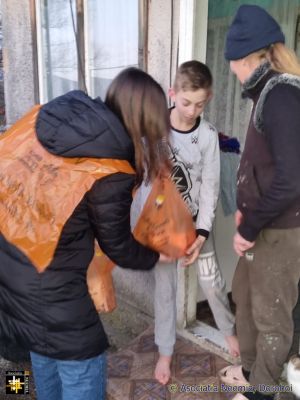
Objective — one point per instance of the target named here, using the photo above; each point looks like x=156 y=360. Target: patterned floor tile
x=147 y=389
x=195 y=365
x=143 y=366
x=119 y=366
x=146 y=344
x=131 y=375
x=118 y=388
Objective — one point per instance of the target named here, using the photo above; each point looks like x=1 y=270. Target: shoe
x=232 y=375
x=293 y=374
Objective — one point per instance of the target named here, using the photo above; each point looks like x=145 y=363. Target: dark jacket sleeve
x=109 y=203
x=281 y=118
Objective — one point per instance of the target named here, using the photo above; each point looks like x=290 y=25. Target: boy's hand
x=193 y=252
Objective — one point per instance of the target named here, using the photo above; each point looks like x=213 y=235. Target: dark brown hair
x=192 y=75
x=140 y=103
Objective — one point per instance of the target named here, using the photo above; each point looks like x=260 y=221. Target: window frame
x=81 y=40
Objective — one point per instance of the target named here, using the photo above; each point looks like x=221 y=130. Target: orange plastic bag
x=32 y=216
x=100 y=282
x=165 y=225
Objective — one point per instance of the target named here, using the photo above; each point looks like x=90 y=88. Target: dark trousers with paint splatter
x=265 y=290
x=296 y=317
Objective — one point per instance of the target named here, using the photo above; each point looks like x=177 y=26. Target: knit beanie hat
x=252 y=29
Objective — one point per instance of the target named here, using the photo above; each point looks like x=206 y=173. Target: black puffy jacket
x=52 y=313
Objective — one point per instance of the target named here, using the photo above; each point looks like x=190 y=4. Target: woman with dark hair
x=265 y=284
x=51 y=313
x=136 y=99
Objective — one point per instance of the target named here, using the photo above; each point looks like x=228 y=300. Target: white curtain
x=227 y=110
x=112 y=40
x=111 y=43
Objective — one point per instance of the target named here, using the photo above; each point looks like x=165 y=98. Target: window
x=86 y=43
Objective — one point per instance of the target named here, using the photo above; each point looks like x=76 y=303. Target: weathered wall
x=17 y=58
x=163 y=40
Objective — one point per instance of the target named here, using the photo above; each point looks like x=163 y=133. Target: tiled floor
x=130 y=373
x=131 y=370
x=194 y=373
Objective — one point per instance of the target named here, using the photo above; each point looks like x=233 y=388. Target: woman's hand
x=238 y=216
x=193 y=251
x=241 y=245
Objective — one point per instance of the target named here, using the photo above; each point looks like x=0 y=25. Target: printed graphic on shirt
x=194 y=139
x=180 y=175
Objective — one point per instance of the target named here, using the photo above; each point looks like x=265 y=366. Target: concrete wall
x=163 y=28
x=19 y=85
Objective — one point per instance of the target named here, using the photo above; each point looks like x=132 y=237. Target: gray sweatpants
x=213 y=286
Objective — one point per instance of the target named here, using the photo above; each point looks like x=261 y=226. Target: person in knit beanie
x=265 y=284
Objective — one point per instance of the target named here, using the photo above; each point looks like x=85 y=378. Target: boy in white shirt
x=194 y=153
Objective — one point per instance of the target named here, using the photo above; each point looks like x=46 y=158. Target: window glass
x=58 y=56
x=108 y=43
x=112 y=41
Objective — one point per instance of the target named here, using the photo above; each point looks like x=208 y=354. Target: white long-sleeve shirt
x=196 y=170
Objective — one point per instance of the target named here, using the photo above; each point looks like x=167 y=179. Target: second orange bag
x=100 y=282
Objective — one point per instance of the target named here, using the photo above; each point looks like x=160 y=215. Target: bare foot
x=163 y=369
x=233 y=345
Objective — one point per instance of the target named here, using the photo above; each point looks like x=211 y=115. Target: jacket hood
x=74 y=125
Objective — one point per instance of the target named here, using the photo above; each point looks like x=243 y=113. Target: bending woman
x=51 y=313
